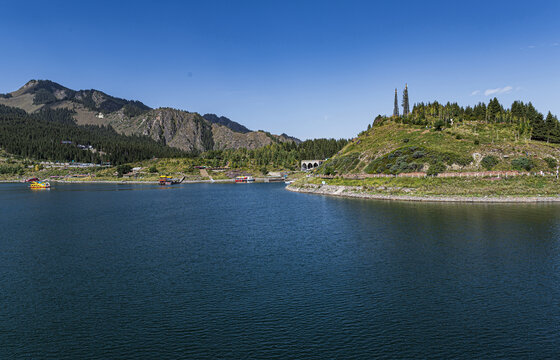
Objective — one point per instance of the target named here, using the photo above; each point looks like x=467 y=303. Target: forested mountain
x=184 y=130
x=53 y=135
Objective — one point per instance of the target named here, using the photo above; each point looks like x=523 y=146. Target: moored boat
x=39 y=185
x=167 y=180
x=244 y=179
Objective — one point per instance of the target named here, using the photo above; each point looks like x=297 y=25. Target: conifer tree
x=405 y=105
x=396 y=108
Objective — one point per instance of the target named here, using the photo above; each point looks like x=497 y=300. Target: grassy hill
x=392 y=146
x=437 y=139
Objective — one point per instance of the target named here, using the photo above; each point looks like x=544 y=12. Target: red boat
x=244 y=179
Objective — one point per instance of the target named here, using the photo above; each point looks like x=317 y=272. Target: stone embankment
x=360 y=193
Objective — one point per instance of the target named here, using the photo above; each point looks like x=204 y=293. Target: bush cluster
x=551 y=162
x=11 y=169
x=488 y=162
x=522 y=163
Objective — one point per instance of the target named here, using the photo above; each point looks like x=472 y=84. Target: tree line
x=286 y=155
x=529 y=121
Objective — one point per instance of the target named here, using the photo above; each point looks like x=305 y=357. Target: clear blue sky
x=307 y=68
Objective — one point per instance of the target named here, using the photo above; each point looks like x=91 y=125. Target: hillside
x=184 y=130
x=439 y=144
x=53 y=135
x=448 y=153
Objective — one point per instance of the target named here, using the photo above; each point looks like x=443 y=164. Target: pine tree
x=405 y=106
x=396 y=108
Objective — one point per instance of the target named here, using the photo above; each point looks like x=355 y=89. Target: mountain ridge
x=188 y=131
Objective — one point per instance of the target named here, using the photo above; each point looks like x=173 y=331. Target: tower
x=405 y=106
x=396 y=108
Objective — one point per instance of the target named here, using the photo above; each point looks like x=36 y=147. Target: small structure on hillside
x=307 y=165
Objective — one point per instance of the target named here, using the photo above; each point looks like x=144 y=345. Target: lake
x=252 y=271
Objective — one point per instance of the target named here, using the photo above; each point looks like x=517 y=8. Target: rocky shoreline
x=358 y=193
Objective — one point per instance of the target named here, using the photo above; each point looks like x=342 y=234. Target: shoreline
x=354 y=192
x=147 y=182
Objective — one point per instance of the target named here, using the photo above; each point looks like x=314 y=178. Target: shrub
x=436 y=168
x=328 y=170
x=458 y=137
x=153 y=169
x=405 y=140
x=551 y=162
x=488 y=162
x=438 y=126
x=123 y=169
x=418 y=154
x=477 y=142
x=395 y=154
x=522 y=163
x=11 y=169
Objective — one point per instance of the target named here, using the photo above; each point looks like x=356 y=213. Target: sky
x=310 y=69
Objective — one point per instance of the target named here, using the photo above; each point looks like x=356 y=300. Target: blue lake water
x=223 y=271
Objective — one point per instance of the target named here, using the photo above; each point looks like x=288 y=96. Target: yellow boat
x=39 y=185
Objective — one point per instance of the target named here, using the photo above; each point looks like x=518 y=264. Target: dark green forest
x=285 y=155
x=53 y=135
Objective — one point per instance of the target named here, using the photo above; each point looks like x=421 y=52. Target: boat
x=288 y=182
x=39 y=185
x=167 y=180
x=244 y=179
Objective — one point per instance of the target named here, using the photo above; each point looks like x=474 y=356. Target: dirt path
x=205 y=174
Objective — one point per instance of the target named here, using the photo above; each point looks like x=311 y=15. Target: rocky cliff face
x=181 y=129
x=225 y=138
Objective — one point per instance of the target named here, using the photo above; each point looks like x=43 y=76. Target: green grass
x=433 y=186
x=454 y=147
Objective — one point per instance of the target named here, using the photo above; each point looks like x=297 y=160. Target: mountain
x=188 y=131
x=222 y=120
x=54 y=135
